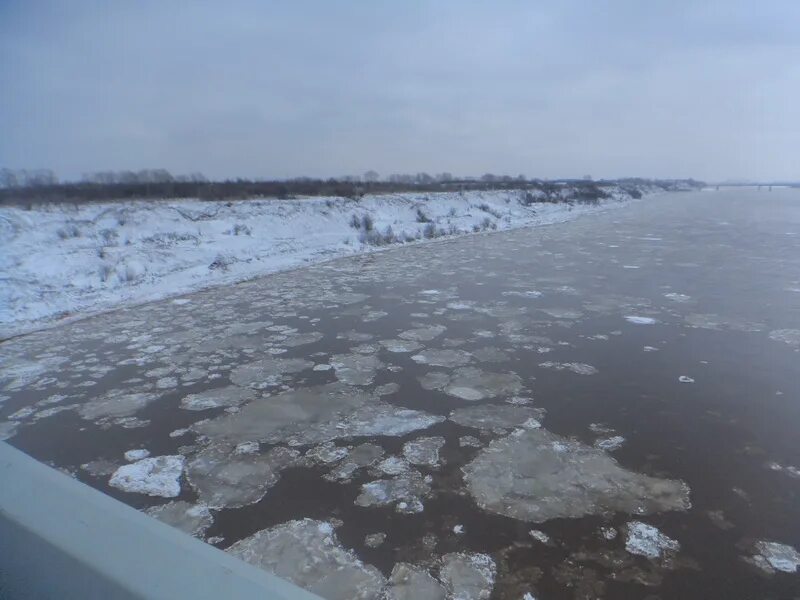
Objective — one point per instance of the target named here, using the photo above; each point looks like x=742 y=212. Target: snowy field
x=65 y=260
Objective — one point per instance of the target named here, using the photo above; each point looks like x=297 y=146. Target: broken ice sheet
x=535 y=475
x=309 y=554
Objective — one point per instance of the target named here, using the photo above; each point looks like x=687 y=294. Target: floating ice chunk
x=268 y=371
x=423 y=334
x=471 y=383
x=231 y=395
x=193 y=519
x=246 y=448
x=787 y=336
x=327 y=453
x=468 y=576
x=539 y=536
x=534 y=475
x=608 y=533
x=400 y=346
x=404 y=491
x=562 y=313
x=610 y=443
x=361 y=456
x=528 y=596
x=773 y=556
x=224 y=478
x=675 y=297
x=685 y=379
x=158 y=476
x=491 y=416
x=423 y=451
x=458 y=529
x=134 y=455
x=394 y=465
x=469 y=441
x=442 y=358
x=315 y=415
x=115 y=404
x=22 y=414
x=409 y=582
x=373 y=540
x=638 y=320
x=646 y=540
x=577 y=368
x=322 y=367
x=650 y=349
x=7 y=430
x=309 y=554
x=355 y=369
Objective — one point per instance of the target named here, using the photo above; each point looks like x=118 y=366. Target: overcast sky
x=266 y=89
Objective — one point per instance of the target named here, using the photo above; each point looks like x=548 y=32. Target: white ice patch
x=134 y=455
x=158 y=476
x=775 y=556
x=610 y=443
x=638 y=320
x=685 y=379
x=646 y=540
x=577 y=368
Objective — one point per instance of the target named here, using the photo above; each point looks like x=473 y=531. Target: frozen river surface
x=605 y=408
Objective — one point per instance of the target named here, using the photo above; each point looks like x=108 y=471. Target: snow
x=62 y=260
x=158 y=476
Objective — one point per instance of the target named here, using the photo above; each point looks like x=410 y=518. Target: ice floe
x=774 y=556
x=231 y=395
x=223 y=477
x=468 y=576
x=639 y=320
x=423 y=451
x=157 y=476
x=535 y=475
x=193 y=519
x=410 y=582
x=405 y=492
x=575 y=367
x=309 y=554
x=472 y=383
x=314 y=415
x=645 y=540
x=492 y=416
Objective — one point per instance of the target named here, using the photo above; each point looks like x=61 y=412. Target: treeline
x=17 y=188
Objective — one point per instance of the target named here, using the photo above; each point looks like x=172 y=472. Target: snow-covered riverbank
x=61 y=261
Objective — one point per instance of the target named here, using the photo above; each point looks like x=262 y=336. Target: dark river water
x=660 y=341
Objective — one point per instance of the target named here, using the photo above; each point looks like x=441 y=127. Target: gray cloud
x=267 y=89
